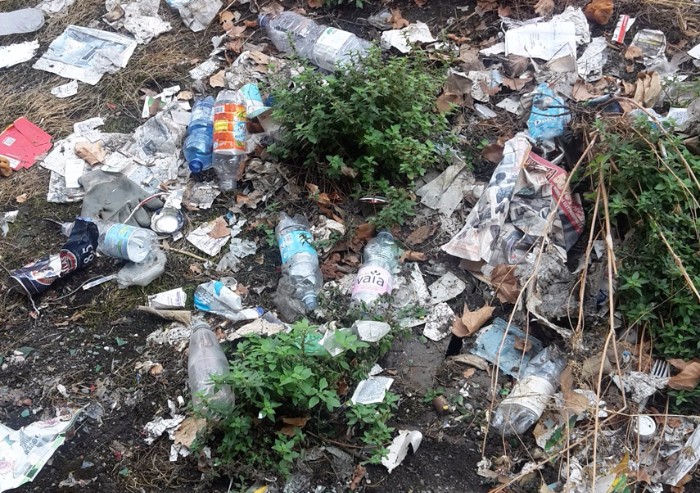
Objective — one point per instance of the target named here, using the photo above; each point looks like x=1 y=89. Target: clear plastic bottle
x=528 y=398
x=126 y=242
x=226 y=168
x=200 y=136
x=324 y=46
x=143 y=273
x=229 y=124
x=299 y=258
x=375 y=277
x=206 y=358
x=216 y=297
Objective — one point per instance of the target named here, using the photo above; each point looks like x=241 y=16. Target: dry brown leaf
x=523 y=345
x=574 y=403
x=469 y=56
x=544 y=7
x=516 y=65
x=185 y=95
x=421 y=234
x=220 y=228
x=357 y=476
x=460 y=40
x=493 y=153
x=447 y=101
x=471 y=359
x=505 y=283
x=236 y=31
x=156 y=370
x=21 y=199
x=633 y=52
x=226 y=19
x=458 y=328
x=687 y=379
x=420 y=3
x=504 y=11
x=396 y=21
x=599 y=11
x=411 y=256
x=516 y=84
x=469 y=372
x=364 y=232
x=474 y=320
x=315 y=4
x=5 y=169
x=580 y=91
x=259 y=57
x=271 y=8
x=187 y=431
x=217 y=80
x=298 y=422
x=195 y=269
x=678 y=363
x=91 y=152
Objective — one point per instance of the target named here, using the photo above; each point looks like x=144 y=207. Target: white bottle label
x=328 y=45
x=372 y=279
x=531 y=392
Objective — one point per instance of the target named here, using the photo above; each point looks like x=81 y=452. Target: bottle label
x=230 y=128
x=372 y=279
x=116 y=240
x=532 y=392
x=328 y=45
x=298 y=241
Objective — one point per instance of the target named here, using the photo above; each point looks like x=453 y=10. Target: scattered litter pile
x=548 y=243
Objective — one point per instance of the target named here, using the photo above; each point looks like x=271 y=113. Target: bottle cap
x=310 y=301
x=645 y=427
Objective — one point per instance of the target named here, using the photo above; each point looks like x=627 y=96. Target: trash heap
x=523 y=234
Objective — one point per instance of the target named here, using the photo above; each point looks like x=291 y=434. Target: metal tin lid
x=167 y=220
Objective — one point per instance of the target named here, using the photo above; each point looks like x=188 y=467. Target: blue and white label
x=116 y=240
x=294 y=242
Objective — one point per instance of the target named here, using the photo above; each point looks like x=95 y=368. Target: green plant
x=290 y=375
x=653 y=185
x=370 y=420
x=369 y=124
x=400 y=206
x=268 y=233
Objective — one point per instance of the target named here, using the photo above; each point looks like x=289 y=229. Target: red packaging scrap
x=22 y=143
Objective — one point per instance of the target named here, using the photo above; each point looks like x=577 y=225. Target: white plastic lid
x=645 y=426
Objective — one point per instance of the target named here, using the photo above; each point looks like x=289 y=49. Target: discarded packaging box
x=22 y=143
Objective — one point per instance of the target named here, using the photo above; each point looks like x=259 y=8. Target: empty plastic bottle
x=217 y=297
x=230 y=124
x=200 y=136
x=375 y=277
x=324 y=46
x=126 y=242
x=206 y=358
x=528 y=398
x=226 y=168
x=299 y=258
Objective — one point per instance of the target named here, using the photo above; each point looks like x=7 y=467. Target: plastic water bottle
x=226 y=168
x=230 y=124
x=126 y=242
x=200 y=136
x=528 y=398
x=299 y=258
x=216 y=297
x=375 y=277
x=206 y=358
x=324 y=46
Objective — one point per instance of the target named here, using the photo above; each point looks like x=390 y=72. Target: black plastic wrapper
x=78 y=252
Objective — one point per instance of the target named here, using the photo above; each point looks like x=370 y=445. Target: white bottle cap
x=645 y=427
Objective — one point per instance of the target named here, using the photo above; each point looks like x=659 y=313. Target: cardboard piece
x=22 y=143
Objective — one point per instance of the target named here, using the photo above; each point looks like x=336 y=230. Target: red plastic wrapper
x=77 y=253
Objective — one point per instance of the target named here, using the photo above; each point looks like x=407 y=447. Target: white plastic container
x=126 y=242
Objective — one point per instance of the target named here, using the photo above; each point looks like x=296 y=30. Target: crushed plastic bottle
x=226 y=168
x=324 y=46
x=217 y=297
x=375 y=277
x=144 y=272
x=206 y=358
x=299 y=258
x=199 y=143
x=126 y=242
x=528 y=398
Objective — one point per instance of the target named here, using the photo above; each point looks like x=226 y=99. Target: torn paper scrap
x=695 y=52
x=399 y=448
x=155 y=428
x=5 y=219
x=201 y=238
x=86 y=54
x=22 y=143
x=25 y=451
x=196 y=14
x=624 y=23
x=438 y=322
x=66 y=90
x=371 y=390
x=17 y=53
x=174 y=298
x=653 y=46
x=590 y=64
x=544 y=40
x=370 y=330
x=402 y=39
x=140 y=18
x=446 y=192
x=686 y=459
x=446 y=288
x=53 y=7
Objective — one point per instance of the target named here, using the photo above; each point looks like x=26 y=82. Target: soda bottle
x=206 y=358
x=299 y=258
x=324 y=46
x=199 y=142
x=229 y=124
x=528 y=398
x=374 y=279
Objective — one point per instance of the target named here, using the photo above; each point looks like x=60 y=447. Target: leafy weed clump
x=372 y=126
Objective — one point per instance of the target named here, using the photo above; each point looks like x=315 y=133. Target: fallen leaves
x=315 y=4
x=472 y=360
x=505 y=283
x=292 y=424
x=574 y=403
x=217 y=80
x=647 y=89
x=599 y=11
x=421 y=234
x=220 y=228
x=396 y=20
x=420 y=3
x=357 y=476
x=21 y=199
x=470 y=322
x=92 y=153
x=411 y=256
x=544 y=7
x=187 y=432
x=493 y=153
x=688 y=378
x=633 y=52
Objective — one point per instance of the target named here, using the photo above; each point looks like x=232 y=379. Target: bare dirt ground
x=90 y=341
